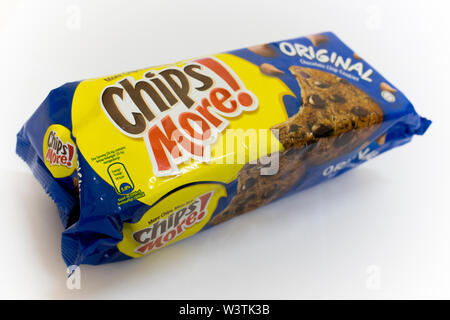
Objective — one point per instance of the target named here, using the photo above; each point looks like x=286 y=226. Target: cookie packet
x=139 y=160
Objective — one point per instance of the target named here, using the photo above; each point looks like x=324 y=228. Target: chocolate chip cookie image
x=334 y=118
x=255 y=190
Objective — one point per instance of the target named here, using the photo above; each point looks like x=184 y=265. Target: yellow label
x=155 y=130
x=59 y=151
x=178 y=216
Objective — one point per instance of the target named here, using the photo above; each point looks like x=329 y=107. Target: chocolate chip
x=317 y=39
x=316 y=101
x=386 y=87
x=268 y=193
x=356 y=56
x=293 y=128
x=343 y=139
x=337 y=98
x=249 y=183
x=321 y=84
x=304 y=74
x=322 y=130
x=381 y=139
x=264 y=50
x=360 y=111
x=285 y=175
x=270 y=70
x=342 y=81
x=239 y=210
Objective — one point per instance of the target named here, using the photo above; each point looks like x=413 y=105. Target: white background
x=379 y=231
